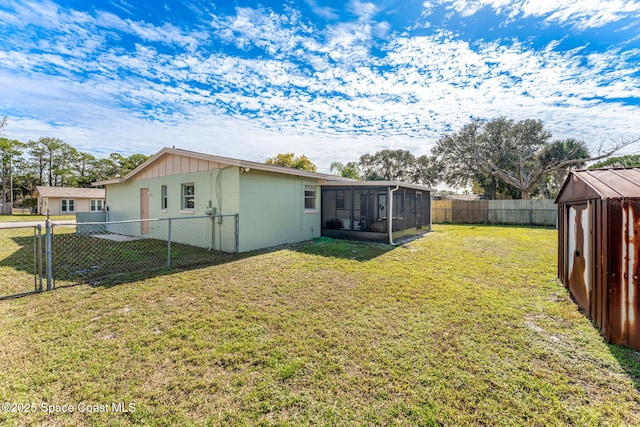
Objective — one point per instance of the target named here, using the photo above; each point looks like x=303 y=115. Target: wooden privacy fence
x=508 y=212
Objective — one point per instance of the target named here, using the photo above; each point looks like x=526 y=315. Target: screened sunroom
x=379 y=211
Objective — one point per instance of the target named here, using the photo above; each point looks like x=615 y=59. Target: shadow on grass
x=88 y=260
x=83 y=259
x=147 y=258
x=344 y=249
x=19 y=271
x=627 y=357
x=629 y=360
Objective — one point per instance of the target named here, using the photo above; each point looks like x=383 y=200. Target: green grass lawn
x=465 y=326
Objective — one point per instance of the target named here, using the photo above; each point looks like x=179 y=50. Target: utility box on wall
x=599 y=248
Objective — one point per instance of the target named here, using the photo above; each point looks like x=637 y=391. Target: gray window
x=310 y=196
x=97 y=205
x=68 y=205
x=163 y=197
x=188 y=196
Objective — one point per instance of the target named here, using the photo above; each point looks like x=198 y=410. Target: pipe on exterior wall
x=390 y=214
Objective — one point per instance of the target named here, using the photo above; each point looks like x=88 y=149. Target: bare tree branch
x=519 y=154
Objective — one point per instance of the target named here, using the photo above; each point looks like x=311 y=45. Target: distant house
x=275 y=205
x=68 y=200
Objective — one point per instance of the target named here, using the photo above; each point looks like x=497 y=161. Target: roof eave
x=107 y=182
x=355 y=183
x=224 y=160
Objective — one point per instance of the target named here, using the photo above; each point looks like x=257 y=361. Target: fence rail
x=103 y=252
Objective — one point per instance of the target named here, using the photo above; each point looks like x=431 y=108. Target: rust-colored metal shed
x=599 y=248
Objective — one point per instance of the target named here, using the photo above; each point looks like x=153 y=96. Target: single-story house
x=599 y=248
x=275 y=205
x=68 y=200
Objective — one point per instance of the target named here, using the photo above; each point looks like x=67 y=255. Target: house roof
x=615 y=183
x=69 y=192
x=245 y=164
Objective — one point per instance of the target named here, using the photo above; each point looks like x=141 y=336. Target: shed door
x=144 y=211
x=578 y=254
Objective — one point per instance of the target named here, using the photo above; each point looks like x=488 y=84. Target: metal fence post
x=169 y=246
x=237 y=221
x=38 y=256
x=49 y=259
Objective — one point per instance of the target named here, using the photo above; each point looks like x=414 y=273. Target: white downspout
x=390 y=214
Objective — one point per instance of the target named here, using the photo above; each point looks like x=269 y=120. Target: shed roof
x=612 y=183
x=69 y=192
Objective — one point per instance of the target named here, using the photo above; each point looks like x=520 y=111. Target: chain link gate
x=21 y=260
x=99 y=253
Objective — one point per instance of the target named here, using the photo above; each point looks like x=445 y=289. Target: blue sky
x=331 y=80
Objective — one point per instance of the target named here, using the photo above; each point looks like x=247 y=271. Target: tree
x=391 y=165
x=9 y=150
x=135 y=160
x=425 y=171
x=83 y=167
x=388 y=165
x=349 y=170
x=46 y=150
x=550 y=185
x=3 y=122
x=25 y=179
x=516 y=153
x=103 y=169
x=38 y=160
x=493 y=188
x=290 y=160
x=64 y=162
x=628 y=161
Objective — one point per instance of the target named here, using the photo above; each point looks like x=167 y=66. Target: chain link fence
x=108 y=252
x=20 y=260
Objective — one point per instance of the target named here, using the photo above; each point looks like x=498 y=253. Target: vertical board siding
x=616 y=273
x=173 y=164
x=603 y=259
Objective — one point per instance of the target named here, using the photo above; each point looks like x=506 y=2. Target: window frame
x=313 y=198
x=94 y=203
x=164 y=198
x=67 y=205
x=188 y=201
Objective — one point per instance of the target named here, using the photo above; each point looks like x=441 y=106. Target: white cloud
x=364 y=10
x=324 y=12
x=317 y=91
x=579 y=13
